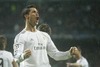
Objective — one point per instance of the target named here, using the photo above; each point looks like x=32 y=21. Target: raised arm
x=55 y=53
x=74 y=65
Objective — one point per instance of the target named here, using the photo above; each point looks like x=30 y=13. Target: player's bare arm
x=14 y=64
x=73 y=65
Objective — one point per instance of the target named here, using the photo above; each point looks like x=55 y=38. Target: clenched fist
x=27 y=53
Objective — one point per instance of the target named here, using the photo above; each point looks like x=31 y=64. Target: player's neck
x=29 y=27
x=32 y=29
x=79 y=56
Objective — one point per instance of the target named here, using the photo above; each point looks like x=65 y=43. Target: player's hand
x=27 y=53
x=72 y=50
x=68 y=64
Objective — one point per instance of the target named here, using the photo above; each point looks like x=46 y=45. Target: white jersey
x=40 y=45
x=83 y=62
x=6 y=59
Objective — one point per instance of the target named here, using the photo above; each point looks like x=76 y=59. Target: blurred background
x=73 y=23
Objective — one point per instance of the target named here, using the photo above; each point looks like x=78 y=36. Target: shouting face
x=33 y=17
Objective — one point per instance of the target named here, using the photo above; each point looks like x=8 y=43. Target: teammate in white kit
x=32 y=47
x=81 y=61
x=45 y=28
x=6 y=58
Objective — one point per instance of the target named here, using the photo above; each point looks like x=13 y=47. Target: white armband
x=20 y=59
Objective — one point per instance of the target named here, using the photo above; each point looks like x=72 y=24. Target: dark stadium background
x=73 y=23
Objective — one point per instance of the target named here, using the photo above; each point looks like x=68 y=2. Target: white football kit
x=40 y=45
x=6 y=59
x=83 y=62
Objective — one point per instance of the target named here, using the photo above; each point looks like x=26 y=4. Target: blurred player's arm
x=74 y=65
x=14 y=63
x=11 y=58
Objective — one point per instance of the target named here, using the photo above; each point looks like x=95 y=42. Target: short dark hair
x=26 y=10
x=45 y=28
x=79 y=48
x=3 y=42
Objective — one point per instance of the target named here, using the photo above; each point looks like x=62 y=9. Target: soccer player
x=81 y=61
x=45 y=28
x=6 y=58
x=32 y=47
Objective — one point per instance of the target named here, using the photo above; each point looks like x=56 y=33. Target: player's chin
x=37 y=22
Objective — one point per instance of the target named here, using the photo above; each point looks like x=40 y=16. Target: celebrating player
x=6 y=58
x=81 y=61
x=32 y=47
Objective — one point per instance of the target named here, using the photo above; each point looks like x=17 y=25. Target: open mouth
x=37 y=18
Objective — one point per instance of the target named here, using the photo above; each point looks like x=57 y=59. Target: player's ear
x=26 y=16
